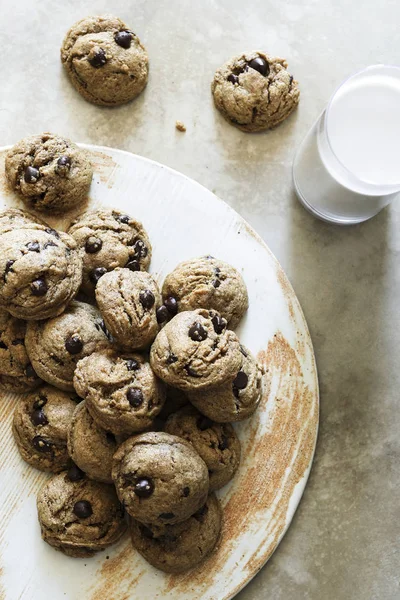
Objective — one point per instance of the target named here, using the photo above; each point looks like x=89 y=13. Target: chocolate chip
x=144 y=487
x=9 y=264
x=38 y=417
x=74 y=344
x=132 y=364
x=123 y=39
x=39 y=287
x=162 y=314
x=140 y=249
x=133 y=265
x=186 y=491
x=93 y=245
x=291 y=80
x=98 y=58
x=204 y=423
x=216 y=283
x=167 y=516
x=52 y=231
x=42 y=401
x=83 y=509
x=260 y=64
x=201 y=513
x=95 y=275
x=135 y=397
x=48 y=244
x=147 y=299
x=171 y=358
x=18 y=341
x=74 y=473
x=191 y=372
x=197 y=332
x=41 y=445
x=233 y=78
x=243 y=351
x=209 y=257
x=3 y=345
x=121 y=218
x=241 y=380
x=64 y=161
x=33 y=246
x=30 y=372
x=219 y=323
x=172 y=305
x=224 y=443
x=31 y=175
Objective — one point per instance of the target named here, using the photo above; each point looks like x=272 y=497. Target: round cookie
x=79 y=516
x=254 y=91
x=121 y=391
x=210 y=283
x=41 y=272
x=128 y=301
x=49 y=172
x=195 y=351
x=160 y=478
x=40 y=425
x=216 y=443
x=234 y=400
x=105 y=60
x=15 y=218
x=109 y=239
x=180 y=547
x=91 y=447
x=55 y=346
x=16 y=372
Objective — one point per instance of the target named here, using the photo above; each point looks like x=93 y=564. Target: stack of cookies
x=131 y=390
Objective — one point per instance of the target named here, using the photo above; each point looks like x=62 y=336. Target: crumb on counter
x=180 y=126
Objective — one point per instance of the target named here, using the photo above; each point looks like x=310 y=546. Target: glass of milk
x=348 y=166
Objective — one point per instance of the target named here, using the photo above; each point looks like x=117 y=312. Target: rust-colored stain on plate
x=104 y=166
x=114 y=571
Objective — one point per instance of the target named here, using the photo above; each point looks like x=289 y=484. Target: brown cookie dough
x=180 y=547
x=109 y=239
x=41 y=272
x=40 y=425
x=121 y=391
x=254 y=91
x=105 y=60
x=216 y=443
x=49 y=172
x=195 y=351
x=160 y=478
x=128 y=301
x=55 y=346
x=236 y=399
x=15 y=218
x=79 y=516
x=210 y=283
x=91 y=447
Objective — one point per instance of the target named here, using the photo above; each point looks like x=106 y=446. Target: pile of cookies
x=130 y=389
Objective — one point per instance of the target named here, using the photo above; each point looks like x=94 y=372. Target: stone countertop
x=344 y=540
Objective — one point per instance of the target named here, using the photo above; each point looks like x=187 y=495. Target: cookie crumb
x=180 y=126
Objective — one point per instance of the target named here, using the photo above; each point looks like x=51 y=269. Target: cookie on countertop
x=40 y=426
x=49 y=172
x=195 y=351
x=236 y=399
x=15 y=218
x=121 y=391
x=160 y=478
x=109 y=239
x=105 y=60
x=254 y=91
x=41 y=272
x=210 y=283
x=180 y=547
x=79 y=516
x=216 y=443
x=55 y=346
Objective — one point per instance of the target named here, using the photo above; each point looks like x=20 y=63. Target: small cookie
x=40 y=425
x=216 y=443
x=15 y=218
x=210 y=283
x=91 y=447
x=175 y=399
x=234 y=400
x=128 y=301
x=41 y=272
x=109 y=239
x=55 y=346
x=195 y=351
x=79 y=516
x=16 y=372
x=121 y=391
x=105 y=60
x=180 y=547
x=254 y=91
x=160 y=478
x=49 y=172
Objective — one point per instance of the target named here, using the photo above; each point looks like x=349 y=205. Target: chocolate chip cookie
x=40 y=425
x=79 y=516
x=128 y=301
x=216 y=443
x=55 y=346
x=15 y=218
x=210 y=283
x=254 y=91
x=105 y=60
x=160 y=478
x=41 y=272
x=121 y=391
x=109 y=239
x=195 y=351
x=49 y=172
x=236 y=399
x=180 y=547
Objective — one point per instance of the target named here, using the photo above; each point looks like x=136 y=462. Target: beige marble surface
x=344 y=540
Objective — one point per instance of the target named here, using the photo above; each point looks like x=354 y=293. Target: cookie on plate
x=40 y=426
x=160 y=478
x=254 y=91
x=109 y=239
x=105 y=60
x=79 y=516
x=180 y=547
x=15 y=218
x=49 y=172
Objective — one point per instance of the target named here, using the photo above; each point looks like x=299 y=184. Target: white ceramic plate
x=183 y=220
